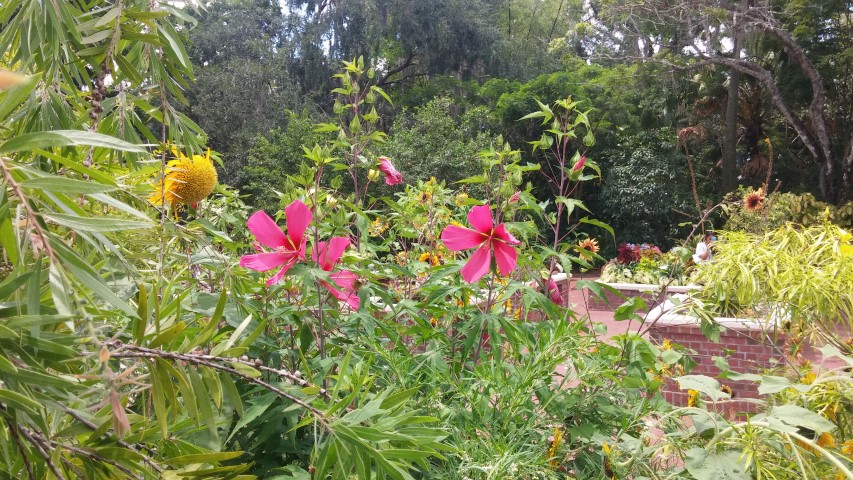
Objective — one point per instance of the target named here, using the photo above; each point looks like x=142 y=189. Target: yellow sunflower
x=589 y=244
x=754 y=200
x=187 y=180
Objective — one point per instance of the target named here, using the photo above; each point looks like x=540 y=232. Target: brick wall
x=747 y=350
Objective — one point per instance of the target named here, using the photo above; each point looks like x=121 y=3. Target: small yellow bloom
x=186 y=181
x=826 y=440
x=809 y=378
x=461 y=198
x=667 y=345
x=847 y=448
x=726 y=389
x=692 y=398
x=555 y=444
x=607 y=449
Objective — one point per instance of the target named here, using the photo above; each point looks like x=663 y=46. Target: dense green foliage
x=363 y=330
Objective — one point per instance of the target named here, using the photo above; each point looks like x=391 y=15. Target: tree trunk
x=729 y=175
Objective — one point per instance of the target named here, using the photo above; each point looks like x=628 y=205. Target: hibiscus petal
x=459 y=238
x=503 y=234
x=262 y=262
x=345 y=279
x=478 y=265
x=481 y=219
x=554 y=292
x=298 y=218
x=265 y=230
x=275 y=279
x=328 y=254
x=505 y=256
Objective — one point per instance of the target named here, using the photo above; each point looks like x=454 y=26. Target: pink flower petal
x=478 y=265
x=265 y=230
x=503 y=234
x=345 y=279
x=460 y=238
x=277 y=277
x=580 y=164
x=262 y=262
x=392 y=176
x=554 y=292
x=327 y=254
x=481 y=219
x=505 y=256
x=298 y=217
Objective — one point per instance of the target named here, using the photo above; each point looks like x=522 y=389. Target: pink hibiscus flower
x=392 y=176
x=580 y=164
x=487 y=239
x=286 y=249
x=327 y=255
x=554 y=292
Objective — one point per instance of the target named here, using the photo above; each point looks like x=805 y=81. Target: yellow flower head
x=589 y=244
x=847 y=448
x=754 y=200
x=555 y=444
x=692 y=398
x=187 y=180
x=826 y=440
x=809 y=378
x=667 y=345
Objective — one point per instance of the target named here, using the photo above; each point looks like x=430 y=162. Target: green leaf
x=97 y=36
x=176 y=47
x=259 y=406
x=66 y=138
x=65 y=185
x=801 y=417
x=701 y=383
x=96 y=224
x=214 y=457
x=12 y=97
x=16 y=400
x=599 y=224
x=722 y=466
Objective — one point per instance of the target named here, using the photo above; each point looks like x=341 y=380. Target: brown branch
x=766 y=78
x=31 y=214
x=761 y=20
x=132 y=351
x=119 y=441
x=408 y=62
x=42 y=449
x=13 y=430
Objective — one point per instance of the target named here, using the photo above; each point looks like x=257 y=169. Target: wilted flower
x=287 y=249
x=186 y=181
x=392 y=176
x=754 y=200
x=554 y=292
x=515 y=197
x=486 y=238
